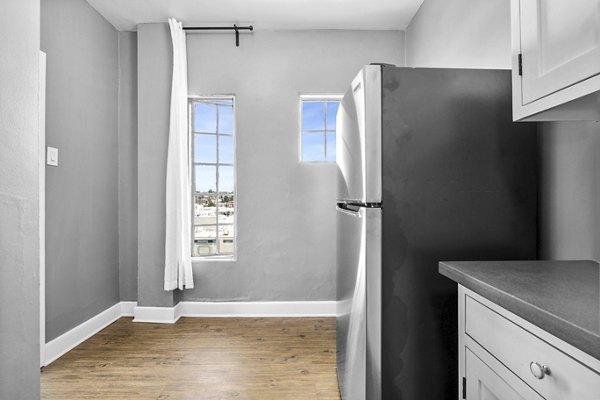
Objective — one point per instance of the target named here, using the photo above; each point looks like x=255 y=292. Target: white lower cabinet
x=504 y=357
x=485 y=383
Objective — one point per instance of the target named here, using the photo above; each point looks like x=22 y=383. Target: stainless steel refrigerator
x=431 y=168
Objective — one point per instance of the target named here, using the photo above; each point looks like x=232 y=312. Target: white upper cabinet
x=556 y=59
x=562 y=48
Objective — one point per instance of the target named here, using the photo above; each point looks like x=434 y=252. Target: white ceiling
x=263 y=14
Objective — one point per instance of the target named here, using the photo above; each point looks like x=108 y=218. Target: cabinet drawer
x=516 y=348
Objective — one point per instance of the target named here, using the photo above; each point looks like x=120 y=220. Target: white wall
x=19 y=196
x=460 y=34
x=286 y=209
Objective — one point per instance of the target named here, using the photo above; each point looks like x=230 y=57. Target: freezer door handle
x=355 y=207
x=348 y=209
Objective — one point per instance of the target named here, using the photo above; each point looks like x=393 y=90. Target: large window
x=213 y=153
x=317 y=131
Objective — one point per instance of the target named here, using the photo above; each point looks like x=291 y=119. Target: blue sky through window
x=206 y=178
x=332 y=108
x=330 y=146
x=226 y=149
x=205 y=148
x=313 y=117
x=205 y=118
x=226 y=179
x=213 y=144
x=318 y=129
x=312 y=147
x=226 y=120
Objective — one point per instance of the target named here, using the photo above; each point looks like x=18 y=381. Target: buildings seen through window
x=212 y=122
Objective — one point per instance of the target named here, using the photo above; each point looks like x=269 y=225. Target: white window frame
x=316 y=98
x=192 y=133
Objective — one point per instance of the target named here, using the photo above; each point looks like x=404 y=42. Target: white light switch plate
x=52 y=156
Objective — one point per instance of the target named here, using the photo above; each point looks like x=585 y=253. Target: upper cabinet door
x=560 y=45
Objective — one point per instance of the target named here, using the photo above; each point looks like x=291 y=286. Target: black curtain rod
x=235 y=28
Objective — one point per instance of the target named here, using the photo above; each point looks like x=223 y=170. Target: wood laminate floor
x=200 y=358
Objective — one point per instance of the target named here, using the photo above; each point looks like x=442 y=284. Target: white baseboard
x=127 y=308
x=258 y=309
x=157 y=315
x=68 y=340
x=169 y=315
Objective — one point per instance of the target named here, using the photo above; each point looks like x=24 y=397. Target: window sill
x=214 y=258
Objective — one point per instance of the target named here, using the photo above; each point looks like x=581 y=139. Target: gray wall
x=19 y=196
x=128 y=166
x=154 y=91
x=82 y=248
x=286 y=212
x=286 y=209
x=460 y=33
x=476 y=34
x=570 y=189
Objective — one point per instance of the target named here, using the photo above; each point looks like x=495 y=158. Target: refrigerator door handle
x=348 y=209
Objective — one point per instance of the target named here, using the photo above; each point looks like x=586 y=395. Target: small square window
x=317 y=130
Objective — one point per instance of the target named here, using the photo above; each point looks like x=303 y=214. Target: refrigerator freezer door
x=359 y=303
x=460 y=183
x=358 y=145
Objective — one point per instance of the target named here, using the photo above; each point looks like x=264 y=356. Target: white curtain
x=178 y=262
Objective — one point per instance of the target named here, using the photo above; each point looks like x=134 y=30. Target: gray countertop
x=561 y=297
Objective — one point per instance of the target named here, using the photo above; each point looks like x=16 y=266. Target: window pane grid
x=211 y=238
x=316 y=114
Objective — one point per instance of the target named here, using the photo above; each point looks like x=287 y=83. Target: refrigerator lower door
x=358 y=320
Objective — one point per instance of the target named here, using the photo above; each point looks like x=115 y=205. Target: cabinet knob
x=538 y=370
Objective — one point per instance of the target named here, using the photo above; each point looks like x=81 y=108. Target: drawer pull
x=539 y=371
